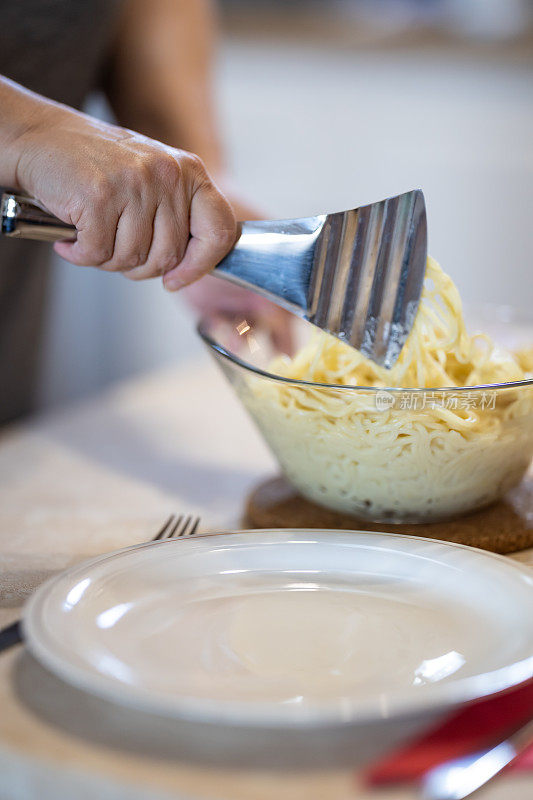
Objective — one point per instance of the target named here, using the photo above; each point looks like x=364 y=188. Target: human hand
x=139 y=207
x=220 y=300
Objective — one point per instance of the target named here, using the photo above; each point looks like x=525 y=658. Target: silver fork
x=462 y=777
x=356 y=274
x=175 y=527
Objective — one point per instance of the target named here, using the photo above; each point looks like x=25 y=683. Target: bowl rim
x=211 y=342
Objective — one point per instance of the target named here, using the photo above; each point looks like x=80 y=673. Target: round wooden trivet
x=505 y=527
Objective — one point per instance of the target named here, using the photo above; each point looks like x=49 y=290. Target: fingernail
x=173 y=284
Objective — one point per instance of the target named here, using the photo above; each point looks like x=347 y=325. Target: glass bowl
x=387 y=455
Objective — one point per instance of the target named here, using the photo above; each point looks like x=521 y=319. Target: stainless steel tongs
x=356 y=274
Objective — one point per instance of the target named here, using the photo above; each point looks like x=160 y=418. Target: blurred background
x=326 y=106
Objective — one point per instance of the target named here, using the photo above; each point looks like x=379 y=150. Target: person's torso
x=56 y=47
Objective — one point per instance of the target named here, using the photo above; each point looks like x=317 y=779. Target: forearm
x=21 y=111
x=161 y=81
x=138 y=206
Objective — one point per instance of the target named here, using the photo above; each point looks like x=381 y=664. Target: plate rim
x=392 y=705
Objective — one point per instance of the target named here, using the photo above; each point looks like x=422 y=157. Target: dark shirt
x=59 y=48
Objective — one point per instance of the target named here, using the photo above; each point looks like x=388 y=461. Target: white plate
x=288 y=628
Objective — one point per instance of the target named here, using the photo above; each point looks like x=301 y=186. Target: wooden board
x=505 y=527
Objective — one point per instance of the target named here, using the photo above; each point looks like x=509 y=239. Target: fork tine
x=195 y=523
x=161 y=533
x=183 y=528
x=176 y=527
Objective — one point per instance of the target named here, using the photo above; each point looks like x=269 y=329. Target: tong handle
x=276 y=265
x=23 y=217
x=273 y=258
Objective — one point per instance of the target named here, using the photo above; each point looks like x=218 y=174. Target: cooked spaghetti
x=402 y=455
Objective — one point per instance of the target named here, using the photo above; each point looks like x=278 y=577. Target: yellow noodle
x=427 y=456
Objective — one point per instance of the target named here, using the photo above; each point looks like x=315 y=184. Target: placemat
x=504 y=527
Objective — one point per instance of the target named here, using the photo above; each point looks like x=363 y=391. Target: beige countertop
x=101 y=476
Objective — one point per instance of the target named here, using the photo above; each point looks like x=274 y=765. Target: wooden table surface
x=101 y=476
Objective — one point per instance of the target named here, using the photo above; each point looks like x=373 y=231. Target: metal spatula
x=356 y=274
